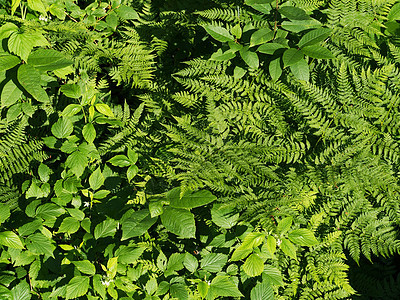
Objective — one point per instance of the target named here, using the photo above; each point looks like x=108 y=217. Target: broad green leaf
x=263 y=6
x=300 y=25
x=271 y=244
x=314 y=36
x=249 y=57
x=253 y=266
x=37 y=5
x=252 y=240
x=284 y=225
x=112 y=265
x=223 y=56
x=288 y=248
x=96 y=179
x=133 y=156
x=136 y=223
x=394 y=13
x=106 y=228
x=44 y=172
x=262 y=291
x=190 y=200
x=7 y=29
x=98 y=286
x=77 y=287
x=71 y=110
x=21 y=291
x=85 y=266
x=71 y=90
x=89 y=133
x=190 y=262
x=270 y=48
x=151 y=286
x=291 y=56
x=202 y=288
x=224 y=217
x=69 y=225
x=5 y=212
x=77 y=161
x=318 y=52
x=275 y=69
x=101 y=194
x=239 y=72
x=179 y=221
x=272 y=276
x=175 y=263
x=303 y=237
x=219 y=33
x=62 y=128
x=222 y=286
x=58 y=10
x=129 y=254
x=105 y=110
x=39 y=244
x=301 y=70
x=76 y=213
x=261 y=36
x=8 y=61
x=213 y=262
x=13 y=112
x=179 y=291
x=127 y=13
x=30 y=80
x=120 y=161
x=11 y=240
x=294 y=13
x=10 y=94
x=237 y=31
x=132 y=172
x=49 y=210
x=155 y=208
x=21 y=43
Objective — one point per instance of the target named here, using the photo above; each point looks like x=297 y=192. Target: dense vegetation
x=198 y=149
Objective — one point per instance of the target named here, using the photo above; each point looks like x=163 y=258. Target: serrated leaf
x=77 y=161
x=106 y=228
x=21 y=44
x=105 y=110
x=294 y=13
x=30 y=80
x=275 y=69
x=127 y=13
x=222 y=286
x=314 y=36
x=272 y=276
x=62 y=128
x=303 y=237
x=10 y=94
x=129 y=254
x=39 y=244
x=261 y=36
x=136 y=223
x=155 y=208
x=249 y=57
x=71 y=90
x=202 y=288
x=262 y=291
x=120 y=161
x=190 y=262
x=190 y=199
x=219 y=33
x=301 y=70
x=77 y=287
x=213 y=262
x=132 y=172
x=98 y=286
x=8 y=61
x=291 y=56
x=288 y=248
x=85 y=266
x=96 y=179
x=11 y=240
x=5 y=212
x=69 y=225
x=49 y=210
x=284 y=225
x=179 y=221
x=318 y=52
x=44 y=172
x=253 y=266
x=224 y=217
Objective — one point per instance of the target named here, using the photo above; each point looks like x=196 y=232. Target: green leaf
x=275 y=69
x=291 y=56
x=394 y=13
x=4 y=212
x=85 y=267
x=284 y=225
x=314 y=36
x=219 y=33
x=202 y=288
x=44 y=172
x=261 y=36
x=7 y=29
x=237 y=31
x=129 y=254
x=30 y=80
x=288 y=248
x=190 y=262
x=294 y=13
x=89 y=133
x=318 y=52
x=179 y=291
x=223 y=56
x=120 y=161
x=69 y=225
x=175 y=263
x=249 y=57
x=155 y=208
x=213 y=262
x=271 y=244
x=105 y=110
x=62 y=128
x=222 y=286
x=37 y=5
x=133 y=156
x=48 y=60
x=270 y=48
x=262 y=291
x=8 y=61
x=21 y=44
x=132 y=172
x=252 y=240
x=179 y=221
x=303 y=237
x=260 y=5
x=11 y=240
x=224 y=217
x=106 y=228
x=21 y=291
x=189 y=199
x=101 y=194
x=136 y=223
x=300 y=25
x=77 y=161
x=49 y=210
x=39 y=244
x=239 y=72
x=77 y=287
x=76 y=213
x=272 y=276
x=96 y=179
x=301 y=70
x=98 y=286
x=127 y=13
x=10 y=94
x=71 y=90
x=253 y=266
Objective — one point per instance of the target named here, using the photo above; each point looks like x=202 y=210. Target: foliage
x=156 y=149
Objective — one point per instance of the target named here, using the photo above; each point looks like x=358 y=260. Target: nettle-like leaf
x=179 y=221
